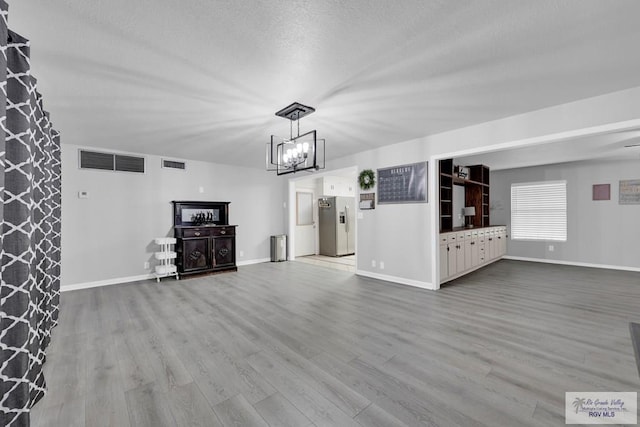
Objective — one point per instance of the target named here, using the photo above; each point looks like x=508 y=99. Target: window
x=539 y=211
x=304 y=208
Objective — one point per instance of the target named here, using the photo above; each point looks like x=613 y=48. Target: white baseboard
x=395 y=279
x=573 y=263
x=106 y=282
x=253 y=261
x=127 y=279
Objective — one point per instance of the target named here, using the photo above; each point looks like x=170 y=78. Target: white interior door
x=305 y=224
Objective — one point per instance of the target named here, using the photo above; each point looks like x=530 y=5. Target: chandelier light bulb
x=305 y=147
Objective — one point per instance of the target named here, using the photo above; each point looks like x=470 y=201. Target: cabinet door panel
x=452 y=258
x=460 y=256
x=194 y=254
x=224 y=252
x=468 y=249
x=444 y=264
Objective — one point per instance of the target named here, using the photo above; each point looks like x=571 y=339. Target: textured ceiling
x=202 y=79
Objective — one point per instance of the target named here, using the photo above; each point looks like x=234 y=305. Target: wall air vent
x=95 y=160
x=110 y=162
x=172 y=164
x=129 y=164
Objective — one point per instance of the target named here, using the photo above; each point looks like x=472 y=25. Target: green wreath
x=366 y=179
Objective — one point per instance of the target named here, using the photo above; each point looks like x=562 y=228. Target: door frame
x=292 y=206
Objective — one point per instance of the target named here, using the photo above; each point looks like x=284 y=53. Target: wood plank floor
x=293 y=344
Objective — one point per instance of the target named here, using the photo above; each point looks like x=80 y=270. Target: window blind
x=539 y=211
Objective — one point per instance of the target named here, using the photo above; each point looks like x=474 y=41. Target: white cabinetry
x=464 y=251
x=444 y=257
x=338 y=186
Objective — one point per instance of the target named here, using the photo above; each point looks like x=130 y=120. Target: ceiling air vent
x=95 y=160
x=129 y=163
x=172 y=164
x=110 y=162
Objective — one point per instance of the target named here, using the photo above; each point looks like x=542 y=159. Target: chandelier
x=296 y=153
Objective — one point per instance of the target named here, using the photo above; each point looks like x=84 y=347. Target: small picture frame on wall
x=629 y=193
x=601 y=192
x=367 y=201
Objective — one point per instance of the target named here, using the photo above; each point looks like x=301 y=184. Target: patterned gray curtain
x=30 y=175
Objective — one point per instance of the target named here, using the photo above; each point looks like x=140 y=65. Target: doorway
x=304 y=222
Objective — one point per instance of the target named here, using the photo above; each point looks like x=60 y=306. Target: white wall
x=405 y=236
x=598 y=232
x=110 y=234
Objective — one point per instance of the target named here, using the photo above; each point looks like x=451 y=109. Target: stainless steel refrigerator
x=336 y=216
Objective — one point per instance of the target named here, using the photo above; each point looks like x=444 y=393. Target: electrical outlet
x=241 y=253
x=551 y=248
x=83 y=194
x=146 y=265
x=373 y=263
x=201 y=189
x=381 y=265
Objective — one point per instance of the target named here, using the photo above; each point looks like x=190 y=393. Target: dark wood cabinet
x=206 y=243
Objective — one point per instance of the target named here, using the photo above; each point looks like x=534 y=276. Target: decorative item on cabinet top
x=196 y=213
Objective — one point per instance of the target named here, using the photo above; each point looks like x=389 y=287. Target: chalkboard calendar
x=403 y=184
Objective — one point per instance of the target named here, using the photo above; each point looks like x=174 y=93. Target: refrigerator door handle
x=346 y=218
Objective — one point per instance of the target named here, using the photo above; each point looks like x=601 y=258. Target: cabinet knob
x=223 y=232
x=197 y=233
x=473 y=243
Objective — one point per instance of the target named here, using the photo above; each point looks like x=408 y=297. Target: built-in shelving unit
x=446 y=194
x=476 y=193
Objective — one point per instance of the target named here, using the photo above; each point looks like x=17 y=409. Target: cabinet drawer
x=451 y=237
x=443 y=238
x=195 y=232
x=224 y=231
x=460 y=236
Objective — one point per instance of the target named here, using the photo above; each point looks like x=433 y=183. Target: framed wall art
x=601 y=192
x=367 y=201
x=629 y=192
